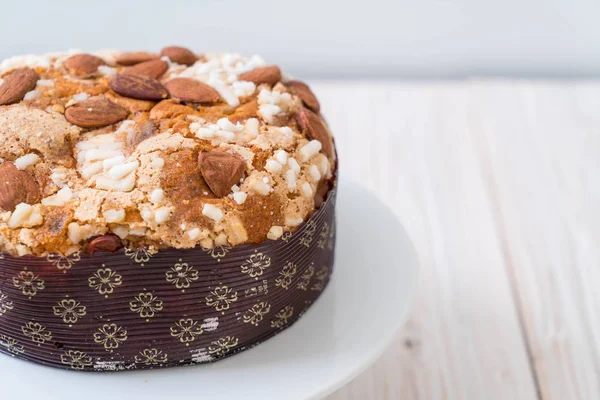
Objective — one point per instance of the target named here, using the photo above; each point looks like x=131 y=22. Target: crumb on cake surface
x=173 y=150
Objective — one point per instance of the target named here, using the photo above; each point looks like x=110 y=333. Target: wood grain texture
x=541 y=143
x=417 y=146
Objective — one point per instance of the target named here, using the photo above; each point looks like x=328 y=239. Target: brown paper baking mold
x=136 y=310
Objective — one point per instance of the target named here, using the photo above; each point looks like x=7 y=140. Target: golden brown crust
x=109 y=154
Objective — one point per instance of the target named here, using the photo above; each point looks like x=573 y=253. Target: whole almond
x=303 y=91
x=315 y=128
x=135 y=58
x=221 y=170
x=153 y=68
x=180 y=55
x=17 y=84
x=106 y=243
x=138 y=87
x=191 y=90
x=95 y=113
x=270 y=75
x=83 y=64
x=16 y=187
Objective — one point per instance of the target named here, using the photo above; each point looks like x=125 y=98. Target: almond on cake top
x=175 y=149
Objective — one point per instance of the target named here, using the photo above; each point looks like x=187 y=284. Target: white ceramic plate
x=374 y=281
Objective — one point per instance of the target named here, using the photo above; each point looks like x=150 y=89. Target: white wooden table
x=498 y=185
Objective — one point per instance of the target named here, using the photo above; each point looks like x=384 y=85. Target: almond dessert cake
x=158 y=209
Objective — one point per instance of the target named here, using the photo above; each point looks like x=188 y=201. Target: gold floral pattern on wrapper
x=320 y=279
x=111 y=336
x=140 y=256
x=221 y=298
x=331 y=241
x=64 y=262
x=308 y=234
x=186 y=330
x=36 y=332
x=11 y=345
x=256 y=313
x=29 y=283
x=151 y=357
x=103 y=312
x=323 y=236
x=222 y=346
x=5 y=304
x=218 y=252
x=283 y=317
x=105 y=280
x=69 y=310
x=75 y=359
x=256 y=265
x=146 y=305
x=182 y=275
x=306 y=277
x=286 y=236
x=286 y=275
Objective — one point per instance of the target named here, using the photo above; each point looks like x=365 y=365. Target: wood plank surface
x=417 y=145
x=541 y=144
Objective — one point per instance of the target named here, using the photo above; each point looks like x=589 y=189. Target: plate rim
x=412 y=274
x=401 y=321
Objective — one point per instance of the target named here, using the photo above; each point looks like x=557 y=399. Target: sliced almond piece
x=191 y=90
x=270 y=75
x=147 y=130
x=106 y=243
x=153 y=68
x=138 y=87
x=315 y=128
x=221 y=171
x=180 y=55
x=16 y=187
x=135 y=58
x=83 y=64
x=17 y=84
x=95 y=113
x=303 y=91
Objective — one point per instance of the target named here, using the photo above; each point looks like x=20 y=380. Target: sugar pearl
x=281 y=156
x=275 y=232
x=294 y=165
x=194 y=233
x=310 y=150
x=114 y=215
x=306 y=189
x=313 y=173
x=157 y=196
x=273 y=166
x=262 y=188
x=162 y=215
x=212 y=212
x=290 y=178
x=27 y=160
x=240 y=197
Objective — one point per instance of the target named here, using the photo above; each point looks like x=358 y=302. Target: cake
x=158 y=209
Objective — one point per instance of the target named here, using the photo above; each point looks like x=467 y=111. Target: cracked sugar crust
x=139 y=178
